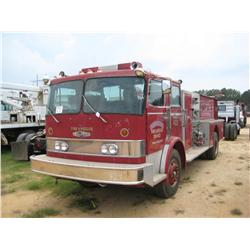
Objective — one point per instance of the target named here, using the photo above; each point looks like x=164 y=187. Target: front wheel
x=169 y=187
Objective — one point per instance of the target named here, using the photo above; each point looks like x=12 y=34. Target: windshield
x=65 y=97
x=116 y=95
x=222 y=107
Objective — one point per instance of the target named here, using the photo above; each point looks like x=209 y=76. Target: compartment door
x=187 y=119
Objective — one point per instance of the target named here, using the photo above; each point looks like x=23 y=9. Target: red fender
x=175 y=143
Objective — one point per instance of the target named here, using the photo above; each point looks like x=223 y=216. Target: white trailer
x=231 y=113
x=23 y=110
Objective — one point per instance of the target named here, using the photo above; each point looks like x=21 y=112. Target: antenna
x=37 y=80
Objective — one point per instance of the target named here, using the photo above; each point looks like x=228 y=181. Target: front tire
x=169 y=187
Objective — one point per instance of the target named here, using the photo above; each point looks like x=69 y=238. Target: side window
x=156 y=97
x=175 y=95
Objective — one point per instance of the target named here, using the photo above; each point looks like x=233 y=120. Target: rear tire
x=213 y=152
x=21 y=137
x=169 y=187
x=233 y=131
x=227 y=131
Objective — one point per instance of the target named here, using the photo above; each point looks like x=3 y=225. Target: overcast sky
x=202 y=61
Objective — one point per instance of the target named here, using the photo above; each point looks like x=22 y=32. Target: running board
x=194 y=152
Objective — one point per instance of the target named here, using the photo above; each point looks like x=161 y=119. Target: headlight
x=57 y=145
x=64 y=146
x=61 y=146
x=113 y=149
x=109 y=149
x=104 y=149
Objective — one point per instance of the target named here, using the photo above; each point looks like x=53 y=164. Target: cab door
x=156 y=118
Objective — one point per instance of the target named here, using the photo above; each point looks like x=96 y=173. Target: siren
x=134 y=65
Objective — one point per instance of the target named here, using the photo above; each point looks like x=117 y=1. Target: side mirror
x=166 y=87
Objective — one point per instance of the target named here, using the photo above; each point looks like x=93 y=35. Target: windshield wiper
x=98 y=115
x=52 y=115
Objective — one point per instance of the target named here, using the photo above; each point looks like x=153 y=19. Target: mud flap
x=148 y=174
x=20 y=150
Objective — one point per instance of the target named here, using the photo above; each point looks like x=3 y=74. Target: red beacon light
x=121 y=66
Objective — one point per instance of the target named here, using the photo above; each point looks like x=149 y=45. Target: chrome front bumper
x=110 y=173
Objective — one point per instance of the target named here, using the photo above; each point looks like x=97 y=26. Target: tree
x=222 y=94
x=245 y=97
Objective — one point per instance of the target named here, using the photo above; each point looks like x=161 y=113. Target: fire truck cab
x=123 y=125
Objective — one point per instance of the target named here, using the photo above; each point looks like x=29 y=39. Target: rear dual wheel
x=231 y=131
x=169 y=187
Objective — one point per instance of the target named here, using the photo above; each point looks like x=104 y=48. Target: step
x=159 y=178
x=194 y=152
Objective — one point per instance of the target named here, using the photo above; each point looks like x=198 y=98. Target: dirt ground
x=219 y=188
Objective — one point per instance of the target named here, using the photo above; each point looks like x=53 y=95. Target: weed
x=236 y=211
x=220 y=191
x=85 y=204
x=179 y=211
x=238 y=183
x=186 y=180
x=41 y=213
x=138 y=202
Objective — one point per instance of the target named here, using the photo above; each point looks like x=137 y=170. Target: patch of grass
x=13 y=178
x=33 y=185
x=10 y=166
x=7 y=190
x=44 y=183
x=236 y=211
x=41 y=213
x=65 y=188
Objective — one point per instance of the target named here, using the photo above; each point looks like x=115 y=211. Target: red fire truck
x=123 y=125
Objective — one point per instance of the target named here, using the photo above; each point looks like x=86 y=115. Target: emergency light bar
x=121 y=66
